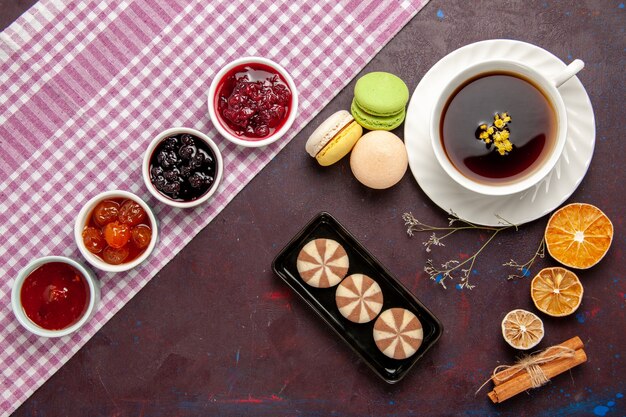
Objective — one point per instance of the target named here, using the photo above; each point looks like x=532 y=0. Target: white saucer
x=518 y=208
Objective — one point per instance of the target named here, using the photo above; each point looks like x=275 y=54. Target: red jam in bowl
x=55 y=296
x=253 y=101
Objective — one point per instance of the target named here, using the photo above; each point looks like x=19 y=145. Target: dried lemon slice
x=522 y=329
x=556 y=291
x=579 y=235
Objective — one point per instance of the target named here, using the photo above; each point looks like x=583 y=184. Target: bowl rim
x=547 y=89
x=81 y=220
x=27 y=323
x=145 y=167
x=215 y=118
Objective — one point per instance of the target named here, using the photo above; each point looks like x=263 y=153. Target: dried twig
x=525 y=267
x=453 y=269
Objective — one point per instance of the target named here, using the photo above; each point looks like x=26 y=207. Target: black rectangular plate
x=322 y=300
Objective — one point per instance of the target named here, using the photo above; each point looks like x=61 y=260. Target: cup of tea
x=499 y=127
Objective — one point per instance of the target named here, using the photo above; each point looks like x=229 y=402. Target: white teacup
x=548 y=84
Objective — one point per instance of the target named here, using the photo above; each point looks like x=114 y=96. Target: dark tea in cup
x=532 y=129
x=499 y=127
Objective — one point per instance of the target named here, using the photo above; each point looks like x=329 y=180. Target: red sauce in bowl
x=253 y=101
x=55 y=296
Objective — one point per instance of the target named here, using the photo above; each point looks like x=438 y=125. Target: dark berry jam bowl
x=252 y=101
x=85 y=220
x=182 y=167
x=33 y=271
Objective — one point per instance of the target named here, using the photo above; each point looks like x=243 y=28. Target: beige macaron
x=379 y=159
x=334 y=138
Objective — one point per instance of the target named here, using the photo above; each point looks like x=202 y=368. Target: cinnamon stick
x=522 y=382
x=574 y=343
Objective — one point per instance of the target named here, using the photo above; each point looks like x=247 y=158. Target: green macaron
x=379 y=101
x=373 y=122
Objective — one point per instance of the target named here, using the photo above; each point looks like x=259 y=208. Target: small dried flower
x=498 y=134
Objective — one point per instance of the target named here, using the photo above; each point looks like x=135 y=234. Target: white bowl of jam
x=252 y=101
x=182 y=167
x=115 y=231
x=54 y=296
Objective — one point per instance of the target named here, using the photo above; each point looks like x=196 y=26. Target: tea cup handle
x=569 y=71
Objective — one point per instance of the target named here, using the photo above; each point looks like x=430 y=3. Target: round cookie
x=322 y=263
x=398 y=333
x=359 y=298
x=379 y=159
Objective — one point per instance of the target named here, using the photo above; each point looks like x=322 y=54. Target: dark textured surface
x=217 y=333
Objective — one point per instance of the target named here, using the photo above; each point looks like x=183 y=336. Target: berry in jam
x=131 y=213
x=115 y=256
x=93 y=239
x=182 y=168
x=141 y=235
x=118 y=238
x=253 y=101
x=106 y=212
x=116 y=234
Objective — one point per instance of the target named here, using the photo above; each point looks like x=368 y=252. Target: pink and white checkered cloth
x=85 y=86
